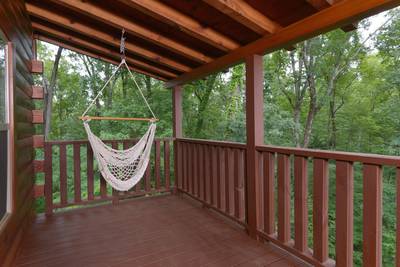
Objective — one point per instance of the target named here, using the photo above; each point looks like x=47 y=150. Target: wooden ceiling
x=181 y=40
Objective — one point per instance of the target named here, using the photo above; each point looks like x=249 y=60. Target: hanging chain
x=122 y=45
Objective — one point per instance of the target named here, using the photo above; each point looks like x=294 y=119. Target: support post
x=255 y=137
x=177 y=127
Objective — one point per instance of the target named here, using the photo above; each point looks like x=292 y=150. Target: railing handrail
x=213 y=142
x=85 y=141
x=374 y=159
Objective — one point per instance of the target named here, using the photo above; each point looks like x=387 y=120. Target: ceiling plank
x=338 y=15
x=83 y=43
x=245 y=14
x=117 y=21
x=90 y=54
x=91 y=32
x=183 y=22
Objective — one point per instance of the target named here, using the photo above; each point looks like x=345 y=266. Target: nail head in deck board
x=372 y=215
x=37 y=117
x=36 y=66
x=283 y=198
x=344 y=213
x=320 y=208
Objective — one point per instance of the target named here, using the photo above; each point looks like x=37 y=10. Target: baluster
x=201 y=170
x=90 y=173
x=167 y=174
x=320 y=206
x=269 y=195
x=48 y=176
x=372 y=215
x=157 y=165
x=63 y=175
x=77 y=172
x=344 y=213
x=283 y=198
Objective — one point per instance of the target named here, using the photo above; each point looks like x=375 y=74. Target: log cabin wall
x=15 y=25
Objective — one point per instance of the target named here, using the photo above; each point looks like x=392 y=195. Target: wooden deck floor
x=160 y=231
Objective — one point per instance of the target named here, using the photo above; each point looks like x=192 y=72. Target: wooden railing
x=213 y=173
x=278 y=166
x=70 y=164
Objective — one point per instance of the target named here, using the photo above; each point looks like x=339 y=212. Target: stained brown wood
x=37 y=117
x=283 y=198
x=372 y=215
x=335 y=16
x=77 y=172
x=63 y=175
x=167 y=175
x=38 y=166
x=157 y=164
x=48 y=178
x=398 y=217
x=320 y=208
x=90 y=173
x=300 y=204
x=37 y=92
x=112 y=19
x=183 y=22
x=269 y=195
x=195 y=237
x=38 y=141
x=244 y=13
x=36 y=66
x=344 y=213
x=85 y=29
x=255 y=136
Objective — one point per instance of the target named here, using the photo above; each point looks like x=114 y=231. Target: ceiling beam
x=183 y=22
x=110 y=18
x=95 y=47
x=338 y=15
x=322 y=4
x=90 y=54
x=65 y=22
x=245 y=14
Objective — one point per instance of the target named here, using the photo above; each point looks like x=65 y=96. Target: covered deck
x=201 y=202
x=160 y=231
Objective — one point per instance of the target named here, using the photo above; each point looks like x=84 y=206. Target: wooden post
x=255 y=136
x=177 y=127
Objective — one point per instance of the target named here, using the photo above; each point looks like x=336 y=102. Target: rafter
x=120 y=22
x=245 y=14
x=65 y=22
x=95 y=47
x=330 y=18
x=90 y=54
x=163 y=12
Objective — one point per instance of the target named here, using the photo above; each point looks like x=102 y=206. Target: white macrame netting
x=122 y=169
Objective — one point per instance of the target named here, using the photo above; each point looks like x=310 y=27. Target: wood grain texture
x=169 y=231
x=15 y=25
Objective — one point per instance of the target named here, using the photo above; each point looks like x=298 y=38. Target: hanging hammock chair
x=122 y=169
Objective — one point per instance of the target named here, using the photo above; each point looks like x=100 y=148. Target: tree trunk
x=49 y=93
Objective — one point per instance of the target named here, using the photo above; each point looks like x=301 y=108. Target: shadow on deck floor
x=159 y=231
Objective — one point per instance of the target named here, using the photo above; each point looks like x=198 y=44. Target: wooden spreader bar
x=117 y=118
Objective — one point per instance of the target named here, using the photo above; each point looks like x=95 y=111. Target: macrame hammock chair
x=122 y=169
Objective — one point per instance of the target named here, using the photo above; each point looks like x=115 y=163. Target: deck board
x=159 y=231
